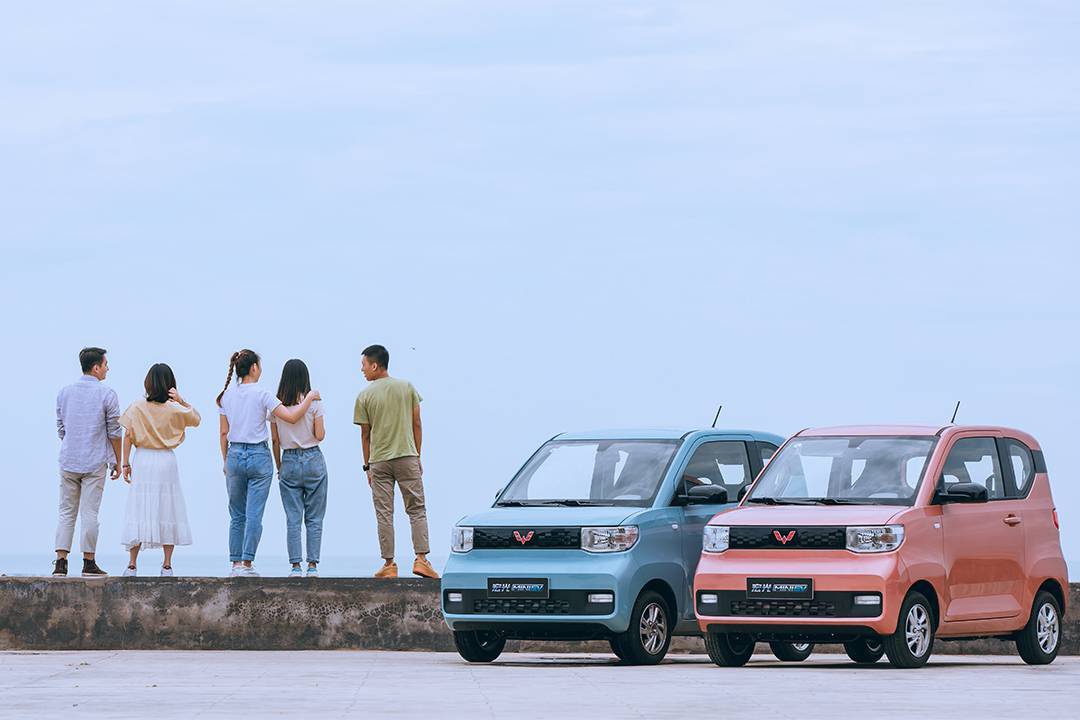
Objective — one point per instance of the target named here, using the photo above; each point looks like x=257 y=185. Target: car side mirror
x=707 y=495
x=963 y=492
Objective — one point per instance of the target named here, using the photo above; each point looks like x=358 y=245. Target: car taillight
x=1056 y=523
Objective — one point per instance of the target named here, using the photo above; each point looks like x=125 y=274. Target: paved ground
x=167 y=684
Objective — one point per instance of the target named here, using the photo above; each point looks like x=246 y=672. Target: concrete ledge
x=277 y=614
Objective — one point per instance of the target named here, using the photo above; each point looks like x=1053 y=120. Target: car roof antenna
x=955 y=410
x=717 y=417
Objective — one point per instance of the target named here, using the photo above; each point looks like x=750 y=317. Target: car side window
x=767 y=450
x=723 y=463
x=975 y=460
x=1023 y=466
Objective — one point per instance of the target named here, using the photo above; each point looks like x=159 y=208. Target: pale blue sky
x=556 y=215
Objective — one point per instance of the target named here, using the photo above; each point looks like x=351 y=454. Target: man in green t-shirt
x=388 y=413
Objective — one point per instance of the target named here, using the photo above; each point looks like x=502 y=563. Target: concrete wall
x=272 y=614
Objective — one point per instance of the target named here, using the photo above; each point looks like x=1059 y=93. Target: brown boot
x=387 y=571
x=423 y=568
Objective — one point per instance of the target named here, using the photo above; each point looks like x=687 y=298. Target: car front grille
x=505 y=606
x=527 y=538
x=804 y=538
x=783 y=608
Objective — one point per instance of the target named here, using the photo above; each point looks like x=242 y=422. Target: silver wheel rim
x=800 y=647
x=653 y=628
x=917 y=630
x=1047 y=628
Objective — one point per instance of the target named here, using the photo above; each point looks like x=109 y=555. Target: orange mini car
x=885 y=539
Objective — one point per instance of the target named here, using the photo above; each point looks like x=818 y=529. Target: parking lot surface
x=196 y=684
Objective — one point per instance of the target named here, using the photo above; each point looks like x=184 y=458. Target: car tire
x=1038 y=641
x=791 y=652
x=648 y=638
x=865 y=651
x=478 y=646
x=911 y=644
x=729 y=649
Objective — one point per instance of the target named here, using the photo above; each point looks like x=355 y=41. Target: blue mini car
x=596 y=538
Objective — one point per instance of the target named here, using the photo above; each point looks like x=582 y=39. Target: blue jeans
x=249 y=470
x=302 y=481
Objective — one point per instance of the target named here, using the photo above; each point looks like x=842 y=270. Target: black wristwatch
x=367 y=468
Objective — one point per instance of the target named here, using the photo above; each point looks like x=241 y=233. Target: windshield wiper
x=840 y=501
x=782 y=501
x=515 y=503
x=578 y=503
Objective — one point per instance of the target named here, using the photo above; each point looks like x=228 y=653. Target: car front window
x=864 y=470
x=592 y=472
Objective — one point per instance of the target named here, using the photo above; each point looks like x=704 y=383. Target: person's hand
x=127 y=474
x=114 y=472
x=368 y=473
x=225 y=470
x=175 y=397
x=314 y=395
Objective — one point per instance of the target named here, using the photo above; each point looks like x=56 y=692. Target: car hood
x=788 y=515
x=554 y=516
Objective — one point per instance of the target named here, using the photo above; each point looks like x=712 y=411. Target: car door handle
x=1012 y=520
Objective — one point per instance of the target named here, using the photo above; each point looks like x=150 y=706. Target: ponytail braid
x=228 y=378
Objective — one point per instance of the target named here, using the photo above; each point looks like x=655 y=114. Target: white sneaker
x=312 y=572
x=296 y=572
x=130 y=572
x=244 y=571
x=166 y=571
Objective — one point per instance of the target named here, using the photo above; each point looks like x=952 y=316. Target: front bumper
x=572 y=575
x=838 y=575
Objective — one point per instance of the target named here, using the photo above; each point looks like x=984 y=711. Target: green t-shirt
x=387 y=406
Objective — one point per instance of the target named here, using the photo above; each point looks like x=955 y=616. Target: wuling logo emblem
x=523 y=538
x=783 y=539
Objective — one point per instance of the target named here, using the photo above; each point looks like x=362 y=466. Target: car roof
x=917 y=431
x=665 y=434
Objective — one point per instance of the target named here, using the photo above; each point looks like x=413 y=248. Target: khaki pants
x=405 y=471
x=80 y=496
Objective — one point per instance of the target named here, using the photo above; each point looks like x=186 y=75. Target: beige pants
x=405 y=471
x=80 y=496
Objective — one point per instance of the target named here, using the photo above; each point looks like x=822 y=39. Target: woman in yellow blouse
x=156 y=516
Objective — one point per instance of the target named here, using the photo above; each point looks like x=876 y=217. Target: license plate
x=518 y=588
x=780 y=588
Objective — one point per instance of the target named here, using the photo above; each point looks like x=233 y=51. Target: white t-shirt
x=300 y=434
x=247 y=407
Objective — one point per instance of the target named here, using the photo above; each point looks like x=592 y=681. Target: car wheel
x=647 y=639
x=866 y=651
x=911 y=643
x=729 y=649
x=478 y=646
x=791 y=652
x=1039 y=640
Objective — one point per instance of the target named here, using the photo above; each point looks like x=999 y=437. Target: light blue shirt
x=87 y=415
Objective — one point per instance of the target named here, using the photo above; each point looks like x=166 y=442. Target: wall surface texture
x=274 y=614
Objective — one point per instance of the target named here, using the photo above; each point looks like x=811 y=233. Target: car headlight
x=608 y=539
x=716 y=538
x=875 y=539
x=461 y=539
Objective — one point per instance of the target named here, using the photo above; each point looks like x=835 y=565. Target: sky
x=556 y=215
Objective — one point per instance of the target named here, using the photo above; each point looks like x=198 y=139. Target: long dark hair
x=240 y=363
x=295 y=383
x=159 y=381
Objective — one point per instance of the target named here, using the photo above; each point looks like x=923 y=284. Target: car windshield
x=591 y=472
x=858 y=470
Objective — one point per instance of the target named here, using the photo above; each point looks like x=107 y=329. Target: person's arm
x=275 y=442
x=224 y=442
x=59 y=419
x=293 y=414
x=365 y=443
x=418 y=433
x=318 y=428
x=193 y=418
x=128 y=443
x=113 y=430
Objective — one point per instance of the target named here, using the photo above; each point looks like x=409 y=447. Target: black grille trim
x=558 y=602
x=831 y=603
x=805 y=538
x=543 y=538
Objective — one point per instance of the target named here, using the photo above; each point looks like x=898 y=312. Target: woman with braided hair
x=245 y=409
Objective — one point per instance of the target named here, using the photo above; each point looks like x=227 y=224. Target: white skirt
x=155 y=514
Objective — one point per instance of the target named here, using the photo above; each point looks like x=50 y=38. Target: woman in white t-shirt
x=249 y=469
x=301 y=468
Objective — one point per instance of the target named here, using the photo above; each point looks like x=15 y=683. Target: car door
x=713 y=462
x=983 y=544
